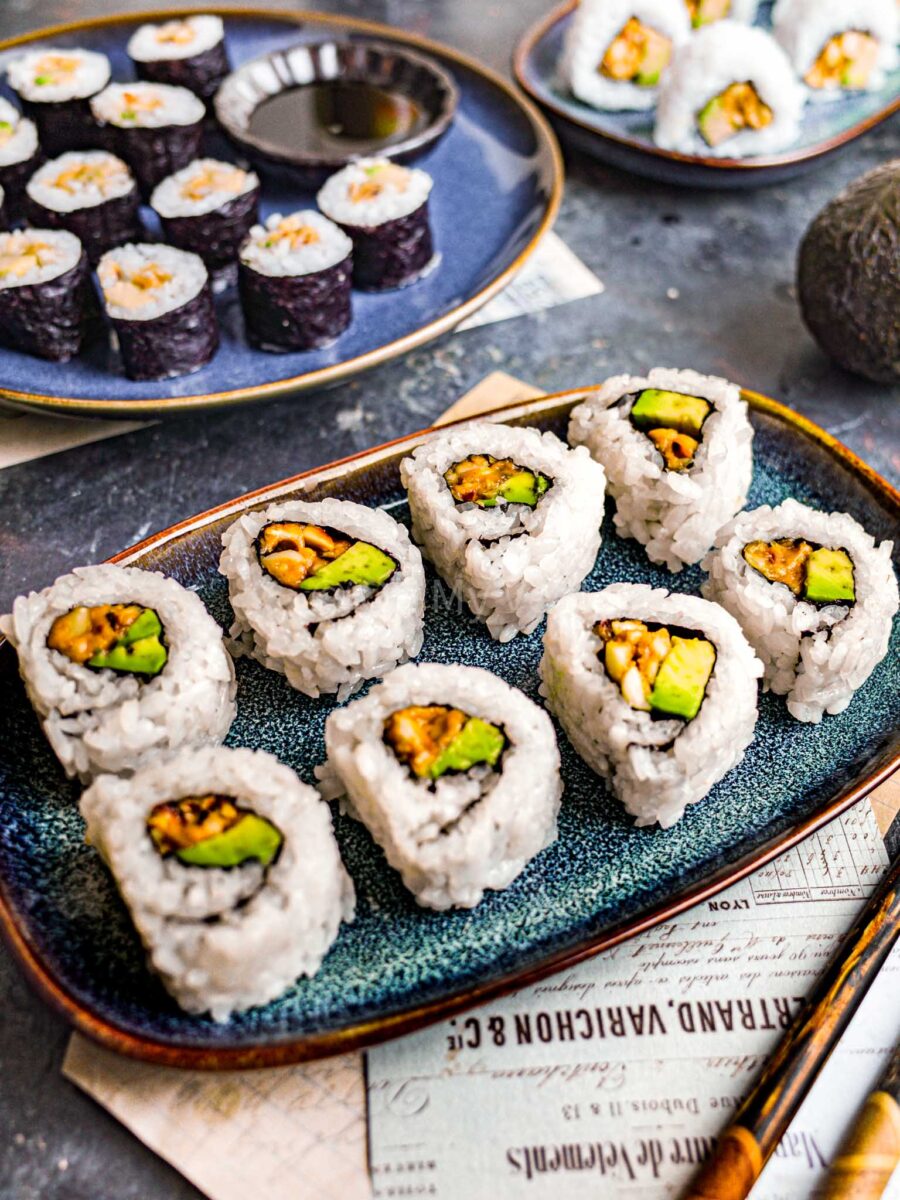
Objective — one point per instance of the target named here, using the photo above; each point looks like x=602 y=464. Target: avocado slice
x=829 y=577
x=477 y=742
x=656 y=59
x=525 y=487
x=714 y=122
x=251 y=837
x=658 y=409
x=363 y=563
x=138 y=651
x=681 y=682
x=710 y=10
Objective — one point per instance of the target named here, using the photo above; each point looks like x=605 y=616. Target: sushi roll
x=704 y=12
x=157 y=129
x=454 y=773
x=230 y=871
x=656 y=691
x=55 y=87
x=294 y=276
x=383 y=208
x=159 y=302
x=839 y=46
x=186 y=52
x=729 y=93
x=89 y=192
x=4 y=212
x=19 y=155
x=209 y=208
x=122 y=667
x=677 y=450
x=510 y=518
x=815 y=596
x=329 y=593
x=618 y=51
x=47 y=305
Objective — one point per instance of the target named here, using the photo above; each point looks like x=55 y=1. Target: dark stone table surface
x=729 y=256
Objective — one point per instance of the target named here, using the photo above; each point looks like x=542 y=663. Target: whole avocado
x=848 y=276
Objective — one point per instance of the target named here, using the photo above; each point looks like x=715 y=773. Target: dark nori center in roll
x=392 y=254
x=216 y=236
x=201 y=73
x=174 y=343
x=52 y=319
x=295 y=312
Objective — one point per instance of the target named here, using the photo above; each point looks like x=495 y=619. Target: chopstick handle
x=868 y=1158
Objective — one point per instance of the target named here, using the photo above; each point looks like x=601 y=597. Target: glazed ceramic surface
x=498 y=180
x=397 y=966
x=625 y=139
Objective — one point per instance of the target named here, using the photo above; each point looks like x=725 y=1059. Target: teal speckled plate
x=398 y=967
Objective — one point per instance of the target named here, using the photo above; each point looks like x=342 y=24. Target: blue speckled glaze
x=395 y=956
x=493 y=180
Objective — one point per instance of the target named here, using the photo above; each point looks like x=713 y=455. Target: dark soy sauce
x=324 y=118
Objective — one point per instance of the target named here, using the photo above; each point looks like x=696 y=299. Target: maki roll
x=383 y=207
x=510 y=518
x=230 y=871
x=839 y=46
x=122 y=666
x=656 y=691
x=618 y=51
x=209 y=208
x=187 y=52
x=4 y=214
x=329 y=593
x=730 y=92
x=47 y=304
x=55 y=87
x=160 y=304
x=704 y=12
x=677 y=450
x=89 y=192
x=155 y=128
x=815 y=597
x=294 y=275
x=454 y=773
x=19 y=155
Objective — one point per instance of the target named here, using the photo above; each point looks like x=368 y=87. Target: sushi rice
x=182 y=38
x=805 y=27
x=270 y=254
x=18 y=136
x=47 y=303
x=146 y=106
x=53 y=74
x=80 y=179
x=184 y=194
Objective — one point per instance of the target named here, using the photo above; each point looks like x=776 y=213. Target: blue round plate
x=498 y=181
x=625 y=139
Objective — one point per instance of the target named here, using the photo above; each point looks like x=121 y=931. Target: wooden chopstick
x=759 y=1124
x=871 y=1151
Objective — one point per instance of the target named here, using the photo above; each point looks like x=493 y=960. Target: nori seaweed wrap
x=4 y=215
x=55 y=87
x=209 y=208
x=187 y=53
x=47 y=305
x=20 y=156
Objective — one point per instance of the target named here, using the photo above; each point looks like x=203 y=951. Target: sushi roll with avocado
x=209 y=208
x=617 y=52
x=89 y=192
x=230 y=871
x=157 y=129
x=159 y=303
x=815 y=596
x=454 y=773
x=510 y=518
x=186 y=52
x=730 y=93
x=19 y=155
x=656 y=691
x=294 y=276
x=839 y=46
x=704 y=12
x=677 y=450
x=328 y=592
x=383 y=208
x=47 y=305
x=122 y=667
x=55 y=87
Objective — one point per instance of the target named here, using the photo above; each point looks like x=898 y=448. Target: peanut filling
x=293 y=233
x=418 y=735
x=139 y=102
x=175 y=33
x=381 y=178
x=846 y=61
x=20 y=256
x=106 y=176
x=479 y=477
x=83 y=632
x=636 y=51
x=289 y=551
x=214 y=179
x=632 y=656
x=783 y=561
x=54 y=69
x=178 y=824
x=132 y=290
x=677 y=449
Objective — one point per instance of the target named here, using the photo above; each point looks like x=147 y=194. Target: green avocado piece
x=251 y=837
x=829 y=577
x=710 y=10
x=147 y=625
x=656 y=59
x=138 y=650
x=477 y=742
x=681 y=683
x=361 y=564
x=526 y=487
x=657 y=409
x=714 y=122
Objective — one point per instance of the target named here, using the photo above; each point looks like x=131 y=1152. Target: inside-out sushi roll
x=122 y=666
x=510 y=518
x=89 y=192
x=656 y=691
x=294 y=275
x=383 y=207
x=47 y=304
x=814 y=595
x=19 y=155
x=187 y=52
x=618 y=51
x=330 y=593
x=704 y=12
x=230 y=870
x=55 y=87
x=839 y=46
x=454 y=773
x=157 y=129
x=209 y=208
x=730 y=92
x=159 y=302
x=677 y=450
